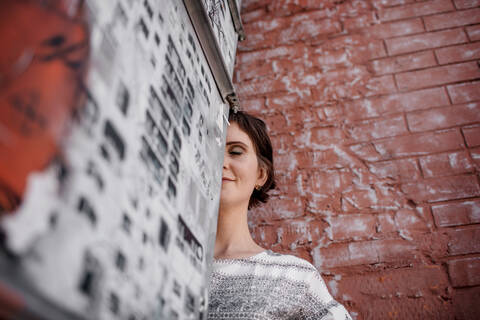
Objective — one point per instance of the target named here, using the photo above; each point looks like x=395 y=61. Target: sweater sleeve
x=319 y=304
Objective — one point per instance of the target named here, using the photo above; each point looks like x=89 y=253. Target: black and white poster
x=121 y=225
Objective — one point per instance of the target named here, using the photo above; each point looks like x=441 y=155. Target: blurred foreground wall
x=112 y=127
x=374 y=109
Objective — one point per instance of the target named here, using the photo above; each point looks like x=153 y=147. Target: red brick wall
x=374 y=111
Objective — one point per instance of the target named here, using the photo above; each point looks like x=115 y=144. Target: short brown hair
x=257 y=131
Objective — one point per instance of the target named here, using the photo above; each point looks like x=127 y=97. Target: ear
x=262 y=175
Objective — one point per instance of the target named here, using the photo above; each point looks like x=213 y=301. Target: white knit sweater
x=269 y=286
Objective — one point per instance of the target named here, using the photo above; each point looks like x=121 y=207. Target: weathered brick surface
x=444 y=117
x=465 y=4
x=464 y=271
x=456 y=214
x=466 y=303
x=373 y=110
x=442 y=164
x=473 y=32
x=407 y=62
x=470 y=51
x=425 y=41
x=464 y=241
x=416 y=10
x=464 y=92
x=438 y=76
x=472 y=135
x=452 y=19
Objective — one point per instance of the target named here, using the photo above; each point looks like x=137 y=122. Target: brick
x=452 y=19
x=250 y=5
x=322 y=159
x=310 y=15
x=397 y=170
x=438 y=76
x=286 y=101
x=360 y=21
x=265 y=54
x=415 y=10
x=444 y=164
x=475 y=153
x=316 y=138
x=378 y=128
x=464 y=92
x=282 y=143
x=321 y=58
x=419 y=144
x=332 y=256
x=279 y=208
x=266 y=25
x=407 y=219
x=466 y=303
x=444 y=117
x=358 y=199
x=413 y=292
x=433 y=190
x=473 y=32
x=464 y=241
x=460 y=53
x=456 y=214
x=276 y=123
x=328 y=182
x=257 y=87
x=395 y=29
x=402 y=282
x=465 y=4
x=472 y=136
x=401 y=102
x=298 y=232
x=254 y=15
x=417 y=306
x=365 y=48
x=265 y=234
x=364 y=252
x=380 y=85
x=351 y=226
x=464 y=272
x=306 y=30
x=425 y=41
x=287 y=7
x=407 y=62
x=257 y=41
x=385 y=224
x=391 y=3
x=254 y=105
x=254 y=70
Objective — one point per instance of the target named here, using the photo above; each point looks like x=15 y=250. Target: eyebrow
x=236 y=142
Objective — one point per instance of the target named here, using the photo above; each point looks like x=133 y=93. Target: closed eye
x=236 y=151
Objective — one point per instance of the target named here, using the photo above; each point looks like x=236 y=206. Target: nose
x=226 y=161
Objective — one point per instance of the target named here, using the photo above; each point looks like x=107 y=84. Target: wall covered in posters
x=111 y=137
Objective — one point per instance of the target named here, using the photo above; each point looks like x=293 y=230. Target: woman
x=247 y=281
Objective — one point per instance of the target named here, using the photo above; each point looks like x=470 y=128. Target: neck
x=233 y=235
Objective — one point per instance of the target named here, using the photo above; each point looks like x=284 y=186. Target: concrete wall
x=374 y=111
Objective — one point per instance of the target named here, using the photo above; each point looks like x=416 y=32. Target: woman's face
x=241 y=172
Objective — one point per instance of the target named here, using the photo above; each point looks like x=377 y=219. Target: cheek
x=251 y=171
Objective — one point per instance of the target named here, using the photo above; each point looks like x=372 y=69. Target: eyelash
x=235 y=153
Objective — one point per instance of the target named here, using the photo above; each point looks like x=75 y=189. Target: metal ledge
x=237 y=21
x=211 y=49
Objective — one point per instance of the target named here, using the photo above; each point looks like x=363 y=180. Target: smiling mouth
x=226 y=179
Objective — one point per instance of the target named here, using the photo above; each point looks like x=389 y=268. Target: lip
x=227 y=179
